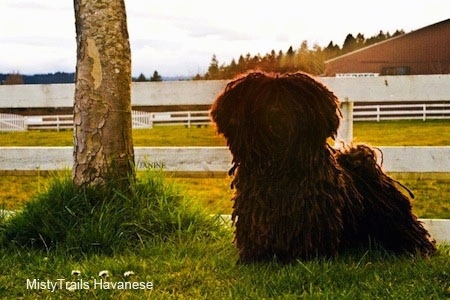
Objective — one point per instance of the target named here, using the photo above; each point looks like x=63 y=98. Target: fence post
x=345 y=130
x=378 y=113
x=150 y=120
x=424 y=108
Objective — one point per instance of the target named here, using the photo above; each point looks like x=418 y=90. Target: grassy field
x=207 y=269
x=194 y=261
x=432 y=195
x=157 y=136
x=403 y=133
x=201 y=264
x=388 y=133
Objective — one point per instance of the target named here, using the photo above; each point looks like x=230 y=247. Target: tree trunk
x=103 y=145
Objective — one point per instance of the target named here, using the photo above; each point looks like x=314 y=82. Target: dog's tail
x=387 y=216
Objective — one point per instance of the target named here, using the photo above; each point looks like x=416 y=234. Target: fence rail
x=210 y=160
x=418 y=89
x=425 y=111
x=215 y=161
x=10 y=122
x=186 y=118
x=141 y=119
x=379 y=112
x=57 y=122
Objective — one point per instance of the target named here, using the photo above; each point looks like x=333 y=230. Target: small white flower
x=76 y=272
x=71 y=288
x=103 y=273
x=128 y=273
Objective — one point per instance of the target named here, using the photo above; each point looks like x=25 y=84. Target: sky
x=179 y=37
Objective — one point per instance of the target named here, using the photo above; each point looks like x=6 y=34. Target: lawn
x=214 y=194
x=192 y=264
x=207 y=269
x=387 y=133
x=157 y=136
x=403 y=133
x=432 y=194
x=197 y=262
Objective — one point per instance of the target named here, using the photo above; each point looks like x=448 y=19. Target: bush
x=68 y=218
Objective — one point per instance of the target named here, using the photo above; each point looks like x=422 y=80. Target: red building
x=423 y=51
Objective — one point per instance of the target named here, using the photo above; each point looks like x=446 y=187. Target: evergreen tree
x=332 y=50
x=304 y=59
x=156 y=77
x=141 y=78
x=349 y=44
x=242 y=65
x=213 y=70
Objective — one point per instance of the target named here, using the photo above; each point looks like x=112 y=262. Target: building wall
x=424 y=51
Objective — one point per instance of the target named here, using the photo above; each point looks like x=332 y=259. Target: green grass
x=190 y=259
x=387 y=133
x=102 y=219
x=403 y=133
x=206 y=269
x=182 y=252
x=432 y=195
x=157 y=136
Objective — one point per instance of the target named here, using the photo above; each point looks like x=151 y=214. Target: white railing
x=379 y=112
x=10 y=122
x=141 y=119
x=51 y=122
x=212 y=160
x=215 y=161
x=186 y=118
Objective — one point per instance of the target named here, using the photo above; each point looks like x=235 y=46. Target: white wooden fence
x=379 y=112
x=57 y=122
x=10 y=122
x=216 y=160
x=186 y=118
x=212 y=161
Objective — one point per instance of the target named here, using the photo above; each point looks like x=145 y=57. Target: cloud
x=179 y=37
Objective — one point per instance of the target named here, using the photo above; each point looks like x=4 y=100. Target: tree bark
x=103 y=145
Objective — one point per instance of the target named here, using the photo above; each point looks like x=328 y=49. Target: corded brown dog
x=296 y=197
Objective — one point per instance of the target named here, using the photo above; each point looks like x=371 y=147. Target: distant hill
x=176 y=78
x=62 y=77
x=58 y=77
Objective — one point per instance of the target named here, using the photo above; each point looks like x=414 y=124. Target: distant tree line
x=58 y=77
x=17 y=78
x=302 y=59
x=155 y=77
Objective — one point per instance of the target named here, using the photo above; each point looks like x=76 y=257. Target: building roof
x=423 y=51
